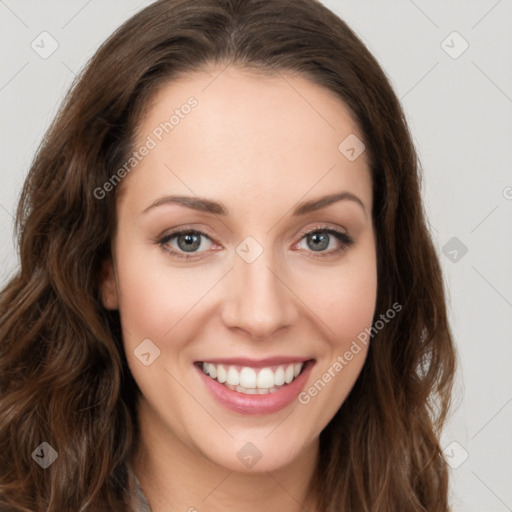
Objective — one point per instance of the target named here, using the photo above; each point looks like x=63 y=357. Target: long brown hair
x=63 y=373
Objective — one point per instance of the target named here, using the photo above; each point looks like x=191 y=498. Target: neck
x=174 y=476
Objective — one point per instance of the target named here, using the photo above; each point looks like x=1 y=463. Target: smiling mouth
x=253 y=381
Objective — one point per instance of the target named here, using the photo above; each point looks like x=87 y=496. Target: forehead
x=248 y=135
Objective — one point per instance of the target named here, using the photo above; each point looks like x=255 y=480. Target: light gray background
x=459 y=110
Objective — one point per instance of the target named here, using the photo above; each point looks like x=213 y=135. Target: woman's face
x=243 y=170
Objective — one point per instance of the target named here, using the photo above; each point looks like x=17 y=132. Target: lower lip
x=257 y=404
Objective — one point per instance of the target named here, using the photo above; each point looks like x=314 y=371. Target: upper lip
x=256 y=363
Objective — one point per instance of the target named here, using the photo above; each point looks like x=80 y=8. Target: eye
x=319 y=240
x=179 y=243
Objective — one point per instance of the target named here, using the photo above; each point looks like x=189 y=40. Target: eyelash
x=346 y=240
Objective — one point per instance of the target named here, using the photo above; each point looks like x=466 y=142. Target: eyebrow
x=207 y=205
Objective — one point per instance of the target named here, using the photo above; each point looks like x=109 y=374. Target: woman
x=228 y=297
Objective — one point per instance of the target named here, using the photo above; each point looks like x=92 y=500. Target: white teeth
x=288 y=374
x=279 y=376
x=242 y=389
x=253 y=391
x=248 y=378
x=233 y=376
x=222 y=375
x=212 y=371
x=266 y=379
x=253 y=380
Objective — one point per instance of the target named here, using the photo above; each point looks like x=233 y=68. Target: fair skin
x=260 y=148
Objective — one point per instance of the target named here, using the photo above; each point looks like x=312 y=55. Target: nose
x=257 y=299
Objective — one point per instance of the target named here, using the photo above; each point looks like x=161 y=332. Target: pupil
x=321 y=239
x=191 y=242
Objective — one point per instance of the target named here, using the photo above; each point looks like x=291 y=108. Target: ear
x=108 y=285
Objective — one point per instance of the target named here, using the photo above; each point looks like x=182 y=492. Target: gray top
x=140 y=502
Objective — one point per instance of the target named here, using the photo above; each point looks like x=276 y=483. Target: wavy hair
x=64 y=379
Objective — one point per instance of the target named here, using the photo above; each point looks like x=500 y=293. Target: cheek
x=352 y=306
x=151 y=300
x=345 y=303
x=345 y=300
x=157 y=301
